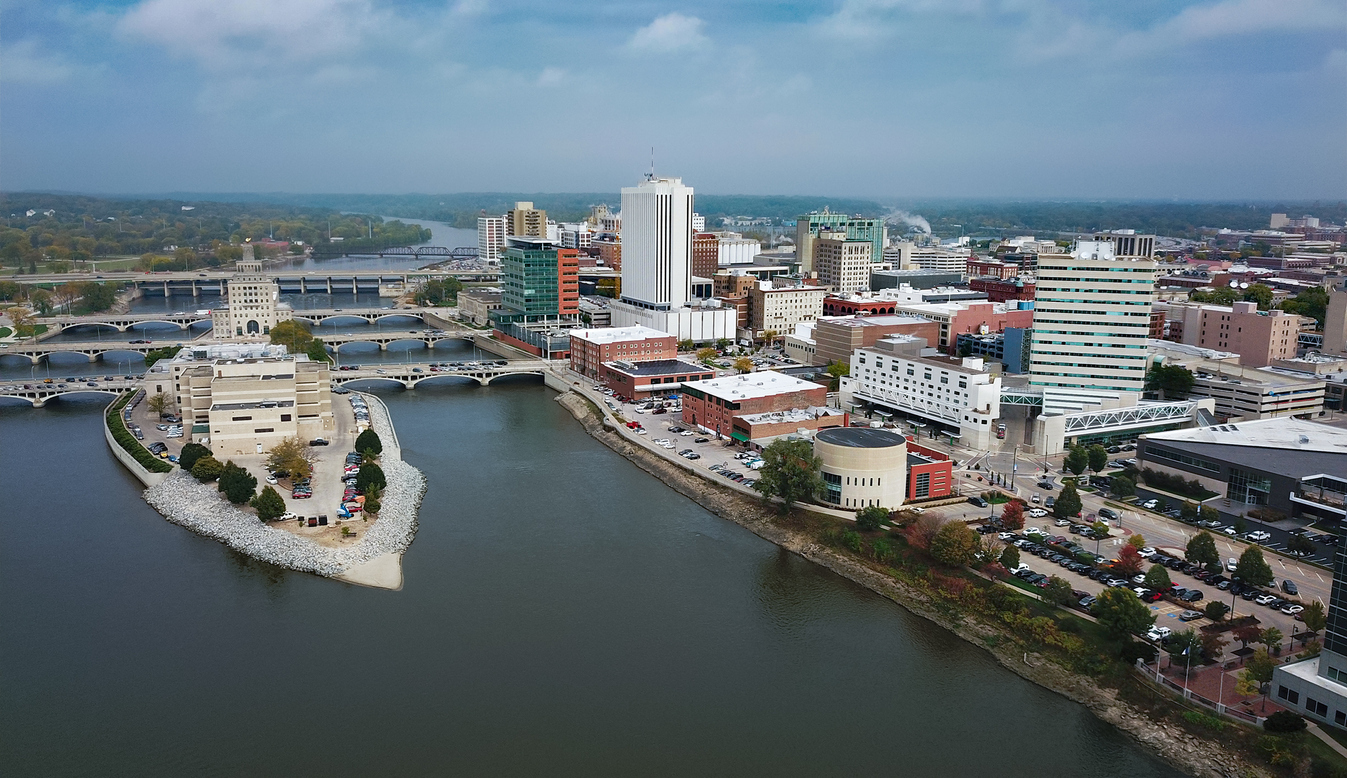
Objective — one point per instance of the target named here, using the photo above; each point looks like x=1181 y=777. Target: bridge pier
x=329 y=284
x=166 y=292
x=355 y=285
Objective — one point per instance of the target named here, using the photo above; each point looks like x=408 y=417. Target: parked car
x=1150 y=504
x=978 y=501
x=1158 y=634
x=1190 y=616
x=1289 y=587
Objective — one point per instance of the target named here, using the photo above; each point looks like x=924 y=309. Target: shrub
x=851 y=539
x=1176 y=484
x=1284 y=721
x=207 y=469
x=954 y=544
x=190 y=454
x=268 y=504
x=236 y=483
x=123 y=437
x=369 y=441
x=869 y=518
x=370 y=475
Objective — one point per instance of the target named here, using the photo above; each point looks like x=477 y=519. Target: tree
x=438 y=291
x=97 y=297
x=1314 y=616
x=954 y=544
x=1285 y=722
x=207 y=469
x=1261 y=294
x=1068 y=503
x=268 y=504
x=1185 y=648
x=1252 y=569
x=316 y=351
x=1120 y=612
x=292 y=456
x=191 y=454
x=1137 y=541
x=743 y=365
x=293 y=334
x=1213 y=643
x=769 y=336
x=369 y=441
x=369 y=475
x=1122 y=486
x=1077 y=459
x=1299 y=545
x=1173 y=382
x=1100 y=528
x=1249 y=633
x=706 y=354
x=723 y=343
x=1216 y=610
x=1010 y=557
x=1201 y=549
x=1058 y=592
x=1129 y=561
x=870 y=518
x=790 y=471
x=1157 y=578
x=1098 y=457
x=1272 y=638
x=686 y=345
x=836 y=370
x=1257 y=674
x=236 y=483
x=1012 y=515
x=1311 y=302
x=1188 y=512
x=159 y=403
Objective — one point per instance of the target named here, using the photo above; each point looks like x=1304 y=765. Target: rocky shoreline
x=199 y=507
x=1196 y=756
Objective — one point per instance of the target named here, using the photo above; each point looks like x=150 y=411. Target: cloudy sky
x=907 y=98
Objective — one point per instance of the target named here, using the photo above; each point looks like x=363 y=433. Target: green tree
x=706 y=355
x=1252 y=569
x=1098 y=457
x=207 y=469
x=1068 y=503
x=1120 y=612
x=1173 y=382
x=1201 y=549
x=769 y=336
x=1157 y=578
x=1077 y=459
x=167 y=352
x=1216 y=610
x=954 y=544
x=1285 y=722
x=369 y=475
x=159 y=403
x=1299 y=545
x=191 y=454
x=1058 y=592
x=316 y=351
x=236 y=483
x=1314 y=616
x=869 y=518
x=1010 y=557
x=97 y=297
x=293 y=334
x=1261 y=294
x=1257 y=674
x=369 y=441
x=835 y=371
x=723 y=343
x=1311 y=302
x=1272 y=638
x=743 y=365
x=268 y=504
x=1185 y=648
x=686 y=345
x=790 y=472
x=1137 y=541
x=438 y=291
x=1188 y=511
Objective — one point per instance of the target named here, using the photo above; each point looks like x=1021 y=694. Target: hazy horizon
x=891 y=100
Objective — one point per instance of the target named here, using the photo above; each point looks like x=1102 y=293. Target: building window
x=1317 y=708
x=264 y=429
x=1290 y=695
x=832 y=488
x=922 y=487
x=1248 y=487
x=1340 y=718
x=285 y=417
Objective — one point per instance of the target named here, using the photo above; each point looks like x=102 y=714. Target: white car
x=1151 y=504
x=271 y=479
x=1062 y=523
x=1037 y=513
x=1006 y=535
x=1258 y=536
x=1034 y=531
x=1147 y=552
x=1264 y=599
x=1231 y=564
x=1158 y=633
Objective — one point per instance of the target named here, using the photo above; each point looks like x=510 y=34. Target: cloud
x=25 y=63
x=1245 y=17
x=227 y=34
x=550 y=76
x=671 y=32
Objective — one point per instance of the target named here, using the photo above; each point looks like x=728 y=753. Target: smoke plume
x=909 y=219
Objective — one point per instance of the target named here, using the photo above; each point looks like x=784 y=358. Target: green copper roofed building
x=808 y=227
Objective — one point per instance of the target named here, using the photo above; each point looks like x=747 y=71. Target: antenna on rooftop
x=651 y=175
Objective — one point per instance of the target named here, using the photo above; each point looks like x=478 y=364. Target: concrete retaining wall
x=138 y=470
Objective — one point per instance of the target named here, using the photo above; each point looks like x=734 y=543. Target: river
x=564 y=614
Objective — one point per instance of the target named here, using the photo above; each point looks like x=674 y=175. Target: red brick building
x=930 y=473
x=640 y=380
x=713 y=404
x=568 y=282
x=610 y=251
x=705 y=254
x=1001 y=289
x=992 y=268
x=590 y=348
x=835 y=305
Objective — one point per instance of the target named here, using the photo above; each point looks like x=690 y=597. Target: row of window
x=1312 y=705
x=1153 y=452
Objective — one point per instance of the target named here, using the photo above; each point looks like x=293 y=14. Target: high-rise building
x=656 y=241
x=250 y=302
x=842 y=264
x=1335 y=321
x=705 y=254
x=808 y=227
x=490 y=237
x=526 y=221
x=1092 y=313
x=1127 y=243
x=539 y=279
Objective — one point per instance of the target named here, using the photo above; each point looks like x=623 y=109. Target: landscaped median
x=123 y=437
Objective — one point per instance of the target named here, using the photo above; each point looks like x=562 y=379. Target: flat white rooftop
x=1280 y=433
x=605 y=335
x=751 y=386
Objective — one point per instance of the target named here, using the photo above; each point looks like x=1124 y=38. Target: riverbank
x=376 y=561
x=1197 y=756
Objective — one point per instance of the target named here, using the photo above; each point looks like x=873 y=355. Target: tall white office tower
x=657 y=266
x=1092 y=314
x=657 y=244
x=490 y=237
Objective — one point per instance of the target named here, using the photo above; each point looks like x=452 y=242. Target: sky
x=1031 y=99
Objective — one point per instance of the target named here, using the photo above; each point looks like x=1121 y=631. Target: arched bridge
x=123 y=322
x=411 y=375
x=38 y=393
x=94 y=350
x=384 y=339
x=336 y=249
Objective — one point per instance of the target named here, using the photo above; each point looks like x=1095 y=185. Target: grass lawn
x=5 y=332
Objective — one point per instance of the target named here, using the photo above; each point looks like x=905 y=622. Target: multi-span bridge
x=213 y=282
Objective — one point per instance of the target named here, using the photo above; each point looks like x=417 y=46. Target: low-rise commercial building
x=901 y=373
x=972 y=318
x=591 y=347
x=760 y=428
x=930 y=474
x=1000 y=290
x=712 y=404
x=862 y=467
x=835 y=339
x=1009 y=347
x=476 y=305
x=780 y=304
x=640 y=380
x=1259 y=337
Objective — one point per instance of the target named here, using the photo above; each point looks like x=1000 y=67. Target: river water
x=564 y=613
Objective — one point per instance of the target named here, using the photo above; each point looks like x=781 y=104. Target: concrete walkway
x=1327 y=738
